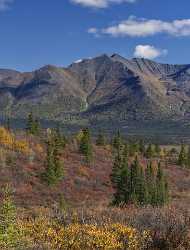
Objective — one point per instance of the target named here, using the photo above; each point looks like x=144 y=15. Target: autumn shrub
x=8 y=139
x=21 y=146
x=44 y=234
x=168 y=227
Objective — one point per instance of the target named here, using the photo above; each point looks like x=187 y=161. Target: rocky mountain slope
x=103 y=87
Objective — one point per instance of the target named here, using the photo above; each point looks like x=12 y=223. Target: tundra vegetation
x=86 y=192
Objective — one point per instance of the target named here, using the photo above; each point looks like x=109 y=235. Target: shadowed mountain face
x=105 y=86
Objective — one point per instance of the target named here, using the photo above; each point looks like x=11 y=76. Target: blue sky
x=38 y=32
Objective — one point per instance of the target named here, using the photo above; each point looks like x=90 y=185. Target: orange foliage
x=22 y=146
x=8 y=140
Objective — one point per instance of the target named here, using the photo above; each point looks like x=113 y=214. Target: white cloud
x=92 y=31
x=149 y=52
x=4 y=4
x=135 y=27
x=100 y=3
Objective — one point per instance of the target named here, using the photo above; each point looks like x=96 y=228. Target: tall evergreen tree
x=59 y=139
x=161 y=186
x=33 y=125
x=86 y=145
x=125 y=153
x=117 y=166
x=133 y=148
x=54 y=169
x=135 y=180
x=150 y=151
x=143 y=189
x=122 y=186
x=182 y=159
x=117 y=140
x=151 y=186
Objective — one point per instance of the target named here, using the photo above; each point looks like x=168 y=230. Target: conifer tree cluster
x=54 y=167
x=85 y=146
x=184 y=157
x=33 y=125
x=135 y=185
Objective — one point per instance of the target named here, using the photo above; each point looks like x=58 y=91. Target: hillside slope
x=103 y=87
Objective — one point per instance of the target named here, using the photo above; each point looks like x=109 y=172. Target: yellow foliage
x=84 y=236
x=8 y=140
x=22 y=146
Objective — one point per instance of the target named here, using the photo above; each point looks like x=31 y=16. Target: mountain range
x=100 y=89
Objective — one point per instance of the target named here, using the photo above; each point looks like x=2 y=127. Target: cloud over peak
x=149 y=52
x=135 y=27
x=100 y=3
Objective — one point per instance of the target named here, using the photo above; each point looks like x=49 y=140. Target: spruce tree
x=143 y=190
x=33 y=125
x=59 y=139
x=122 y=186
x=182 y=159
x=54 y=169
x=135 y=180
x=161 y=186
x=125 y=152
x=132 y=149
x=150 y=151
x=30 y=121
x=86 y=145
x=117 y=166
x=117 y=141
x=151 y=186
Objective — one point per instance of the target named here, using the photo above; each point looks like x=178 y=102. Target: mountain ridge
x=104 y=86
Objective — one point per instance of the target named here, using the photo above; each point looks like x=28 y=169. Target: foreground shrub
x=43 y=234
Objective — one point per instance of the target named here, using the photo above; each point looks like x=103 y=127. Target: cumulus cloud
x=100 y=3
x=149 y=52
x=135 y=27
x=4 y=4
